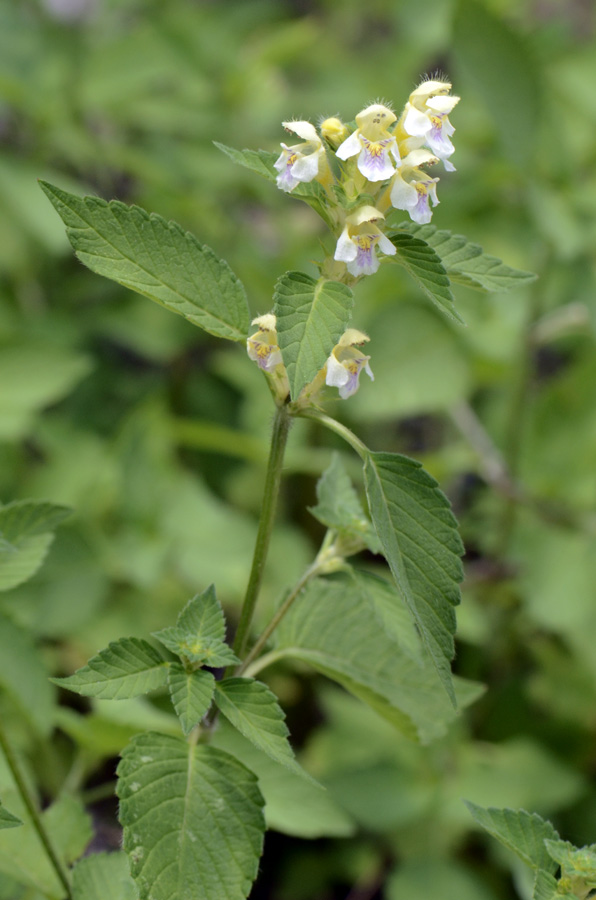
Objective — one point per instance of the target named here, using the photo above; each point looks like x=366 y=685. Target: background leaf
x=102 y=876
x=26 y=532
x=208 y=835
x=7 y=820
x=155 y=258
x=311 y=317
x=420 y=540
x=126 y=668
x=24 y=676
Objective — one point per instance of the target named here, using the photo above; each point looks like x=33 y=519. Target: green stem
x=281 y=427
x=31 y=804
x=333 y=425
x=311 y=572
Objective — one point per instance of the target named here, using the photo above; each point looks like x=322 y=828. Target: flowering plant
x=193 y=804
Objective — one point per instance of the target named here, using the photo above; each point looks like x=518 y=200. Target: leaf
x=425 y=266
x=259 y=161
x=7 y=820
x=334 y=628
x=34 y=374
x=522 y=832
x=498 y=63
x=293 y=805
x=192 y=818
x=575 y=862
x=126 y=668
x=155 y=258
x=339 y=507
x=466 y=262
x=191 y=694
x=26 y=529
x=546 y=887
x=199 y=632
x=103 y=876
x=418 y=533
x=311 y=318
x=203 y=616
x=22 y=855
x=253 y=709
x=24 y=676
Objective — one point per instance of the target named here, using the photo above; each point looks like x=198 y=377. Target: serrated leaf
x=203 y=616
x=575 y=862
x=427 y=270
x=207 y=651
x=339 y=507
x=7 y=820
x=103 y=876
x=192 y=818
x=467 y=263
x=546 y=887
x=420 y=540
x=126 y=668
x=24 y=676
x=191 y=694
x=253 y=709
x=334 y=627
x=155 y=258
x=311 y=318
x=26 y=529
x=262 y=163
x=522 y=832
x=293 y=805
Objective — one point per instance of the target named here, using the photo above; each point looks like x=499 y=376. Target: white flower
x=262 y=345
x=427 y=117
x=357 y=242
x=346 y=362
x=412 y=189
x=373 y=142
x=301 y=162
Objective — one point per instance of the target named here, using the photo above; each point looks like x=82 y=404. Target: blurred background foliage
x=156 y=435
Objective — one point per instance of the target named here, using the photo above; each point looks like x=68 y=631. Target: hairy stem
x=281 y=427
x=31 y=804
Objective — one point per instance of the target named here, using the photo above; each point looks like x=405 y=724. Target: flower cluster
x=342 y=369
x=385 y=158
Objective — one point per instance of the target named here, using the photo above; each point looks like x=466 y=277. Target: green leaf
x=546 y=887
x=311 y=318
x=126 y=668
x=339 y=507
x=7 y=820
x=155 y=258
x=199 y=632
x=575 y=862
x=191 y=694
x=253 y=709
x=335 y=628
x=419 y=536
x=466 y=262
x=26 y=530
x=427 y=270
x=435 y=879
x=103 y=876
x=522 y=832
x=293 y=805
x=203 y=616
x=22 y=855
x=24 y=676
x=497 y=61
x=259 y=161
x=192 y=817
